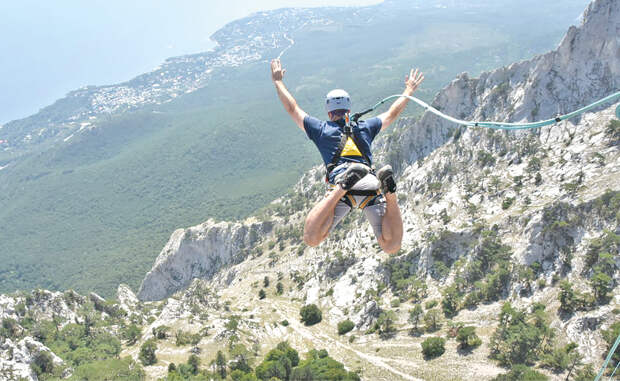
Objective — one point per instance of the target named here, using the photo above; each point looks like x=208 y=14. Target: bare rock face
x=199 y=252
x=42 y=305
x=127 y=299
x=15 y=358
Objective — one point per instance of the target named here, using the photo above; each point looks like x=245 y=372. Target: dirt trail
x=328 y=341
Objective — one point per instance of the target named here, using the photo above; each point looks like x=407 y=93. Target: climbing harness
x=347 y=134
x=496 y=125
x=609 y=355
x=351 y=197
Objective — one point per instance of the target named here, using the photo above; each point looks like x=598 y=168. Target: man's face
x=337 y=114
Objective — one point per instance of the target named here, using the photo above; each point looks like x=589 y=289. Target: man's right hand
x=277 y=73
x=289 y=103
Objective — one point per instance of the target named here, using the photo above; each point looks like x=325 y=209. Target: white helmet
x=337 y=99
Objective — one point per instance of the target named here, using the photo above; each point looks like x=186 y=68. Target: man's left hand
x=413 y=80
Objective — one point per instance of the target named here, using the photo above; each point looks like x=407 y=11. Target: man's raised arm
x=289 y=103
x=412 y=81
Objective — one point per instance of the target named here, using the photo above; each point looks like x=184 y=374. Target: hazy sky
x=49 y=48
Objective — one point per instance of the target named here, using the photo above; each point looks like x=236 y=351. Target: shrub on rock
x=345 y=326
x=310 y=314
x=147 y=352
x=467 y=338
x=433 y=347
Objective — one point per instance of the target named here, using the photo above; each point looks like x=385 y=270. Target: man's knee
x=312 y=240
x=391 y=247
x=312 y=236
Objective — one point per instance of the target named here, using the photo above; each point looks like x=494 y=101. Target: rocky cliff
x=585 y=67
x=199 y=252
x=546 y=194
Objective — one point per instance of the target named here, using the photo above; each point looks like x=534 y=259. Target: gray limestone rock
x=199 y=252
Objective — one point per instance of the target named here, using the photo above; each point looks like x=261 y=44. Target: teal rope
x=504 y=125
x=609 y=355
x=614 y=372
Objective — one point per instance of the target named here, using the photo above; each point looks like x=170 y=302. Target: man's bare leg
x=391 y=226
x=321 y=217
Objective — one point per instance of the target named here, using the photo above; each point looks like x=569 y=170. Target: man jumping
x=345 y=149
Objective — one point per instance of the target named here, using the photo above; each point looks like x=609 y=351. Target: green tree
x=533 y=165
x=241 y=358
x=432 y=320
x=415 y=315
x=517 y=340
x=261 y=294
x=538 y=179
x=194 y=363
x=311 y=314
x=433 y=347
x=319 y=366
x=467 y=338
x=109 y=369
x=266 y=281
x=161 y=332
x=42 y=363
x=147 y=352
x=560 y=359
x=585 y=374
x=345 y=326
x=279 y=288
x=385 y=323
x=10 y=328
x=450 y=302
x=278 y=363
x=233 y=323
x=601 y=284
x=567 y=297
x=220 y=362
x=521 y=373
x=132 y=333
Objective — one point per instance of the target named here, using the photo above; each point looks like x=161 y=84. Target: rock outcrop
x=584 y=68
x=15 y=358
x=127 y=300
x=199 y=252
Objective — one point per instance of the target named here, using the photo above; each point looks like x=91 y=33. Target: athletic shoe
x=386 y=176
x=354 y=173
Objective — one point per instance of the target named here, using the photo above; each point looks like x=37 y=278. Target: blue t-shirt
x=326 y=135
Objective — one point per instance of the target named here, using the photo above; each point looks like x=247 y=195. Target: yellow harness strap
x=354 y=203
